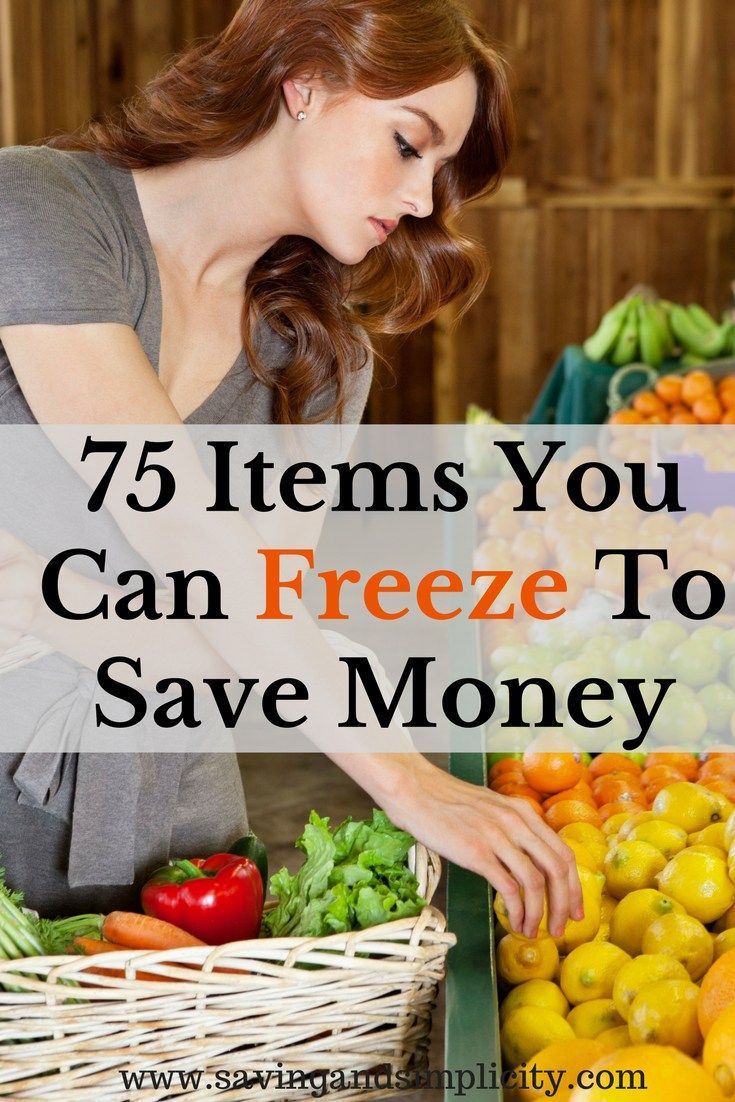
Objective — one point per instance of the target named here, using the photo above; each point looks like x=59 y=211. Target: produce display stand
x=471 y=1038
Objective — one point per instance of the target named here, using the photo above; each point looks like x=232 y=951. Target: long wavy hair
x=214 y=99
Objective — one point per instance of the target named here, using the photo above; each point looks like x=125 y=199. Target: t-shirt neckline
x=134 y=211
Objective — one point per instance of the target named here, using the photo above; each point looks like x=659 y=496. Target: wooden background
x=624 y=170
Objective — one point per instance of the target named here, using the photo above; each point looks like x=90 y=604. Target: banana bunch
x=636 y=329
x=698 y=334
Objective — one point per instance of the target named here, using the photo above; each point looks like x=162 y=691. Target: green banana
x=653 y=336
x=693 y=339
x=690 y=360
x=662 y=314
x=603 y=339
x=701 y=318
x=626 y=346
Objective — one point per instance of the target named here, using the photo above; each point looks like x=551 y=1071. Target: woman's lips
x=382 y=227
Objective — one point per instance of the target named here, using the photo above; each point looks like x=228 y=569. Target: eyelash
x=404 y=148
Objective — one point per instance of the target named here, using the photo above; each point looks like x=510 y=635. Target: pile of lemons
x=646 y=980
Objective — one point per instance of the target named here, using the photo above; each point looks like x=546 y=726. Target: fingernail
x=579 y=913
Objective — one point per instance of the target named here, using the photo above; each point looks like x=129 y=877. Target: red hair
x=225 y=92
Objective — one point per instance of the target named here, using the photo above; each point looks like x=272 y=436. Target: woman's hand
x=496 y=836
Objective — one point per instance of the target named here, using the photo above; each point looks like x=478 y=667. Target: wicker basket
x=350 y=1002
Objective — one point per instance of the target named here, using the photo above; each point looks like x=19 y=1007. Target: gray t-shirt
x=74 y=249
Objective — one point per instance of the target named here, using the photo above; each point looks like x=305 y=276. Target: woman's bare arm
x=114 y=383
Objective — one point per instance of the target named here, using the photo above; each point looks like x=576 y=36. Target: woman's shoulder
x=61 y=182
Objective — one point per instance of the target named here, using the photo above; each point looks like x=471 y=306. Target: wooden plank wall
x=624 y=170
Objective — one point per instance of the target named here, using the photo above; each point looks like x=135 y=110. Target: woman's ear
x=297 y=94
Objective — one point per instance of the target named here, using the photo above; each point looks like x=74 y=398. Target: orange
x=718 y=1058
x=622 y=807
x=511 y=789
x=674 y=759
x=647 y=403
x=724 y=785
x=654 y=773
x=571 y=811
x=707 y=410
x=697 y=384
x=507 y=765
x=717 y=991
x=728 y=417
x=612 y=763
x=716 y=768
x=626 y=417
x=616 y=786
x=668 y=388
x=552 y=770
x=580 y=791
x=685 y=418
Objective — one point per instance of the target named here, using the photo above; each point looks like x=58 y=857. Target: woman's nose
x=420 y=200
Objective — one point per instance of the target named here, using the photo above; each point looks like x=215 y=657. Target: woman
x=197 y=260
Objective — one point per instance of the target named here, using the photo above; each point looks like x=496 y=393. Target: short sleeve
x=60 y=258
x=358 y=386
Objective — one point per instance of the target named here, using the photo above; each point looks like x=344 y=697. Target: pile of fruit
x=692 y=399
x=643 y=329
x=646 y=980
x=699 y=707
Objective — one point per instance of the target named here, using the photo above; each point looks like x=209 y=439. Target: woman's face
x=359 y=165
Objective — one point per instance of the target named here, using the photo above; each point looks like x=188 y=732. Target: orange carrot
x=89 y=946
x=135 y=931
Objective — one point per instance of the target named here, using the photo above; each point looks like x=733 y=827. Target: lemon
x=585 y=833
x=615 y=1038
x=645 y=969
x=711 y=851
x=608 y=903
x=590 y=970
x=713 y=835
x=682 y=937
x=578 y=931
x=730 y=829
x=521 y=958
x=665 y=1013
x=663 y=836
x=632 y=822
x=635 y=913
x=724 y=942
x=584 y=855
x=726 y=921
x=689 y=806
x=501 y=913
x=630 y=866
x=529 y=1029
x=542 y=994
x=657 y=1072
x=700 y=883
x=615 y=822
x=603 y=934
x=594 y=1017
x=565 y=1060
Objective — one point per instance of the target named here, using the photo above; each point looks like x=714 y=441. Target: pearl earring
x=301 y=116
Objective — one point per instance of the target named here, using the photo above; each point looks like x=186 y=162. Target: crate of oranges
x=703 y=396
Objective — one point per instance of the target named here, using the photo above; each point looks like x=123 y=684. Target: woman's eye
x=405 y=149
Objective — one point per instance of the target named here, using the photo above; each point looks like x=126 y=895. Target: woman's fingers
x=560 y=867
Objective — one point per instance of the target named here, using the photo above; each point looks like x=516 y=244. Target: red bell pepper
x=218 y=898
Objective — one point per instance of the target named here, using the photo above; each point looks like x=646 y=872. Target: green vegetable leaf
x=353 y=878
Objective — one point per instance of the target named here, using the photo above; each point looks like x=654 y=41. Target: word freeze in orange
x=489 y=589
